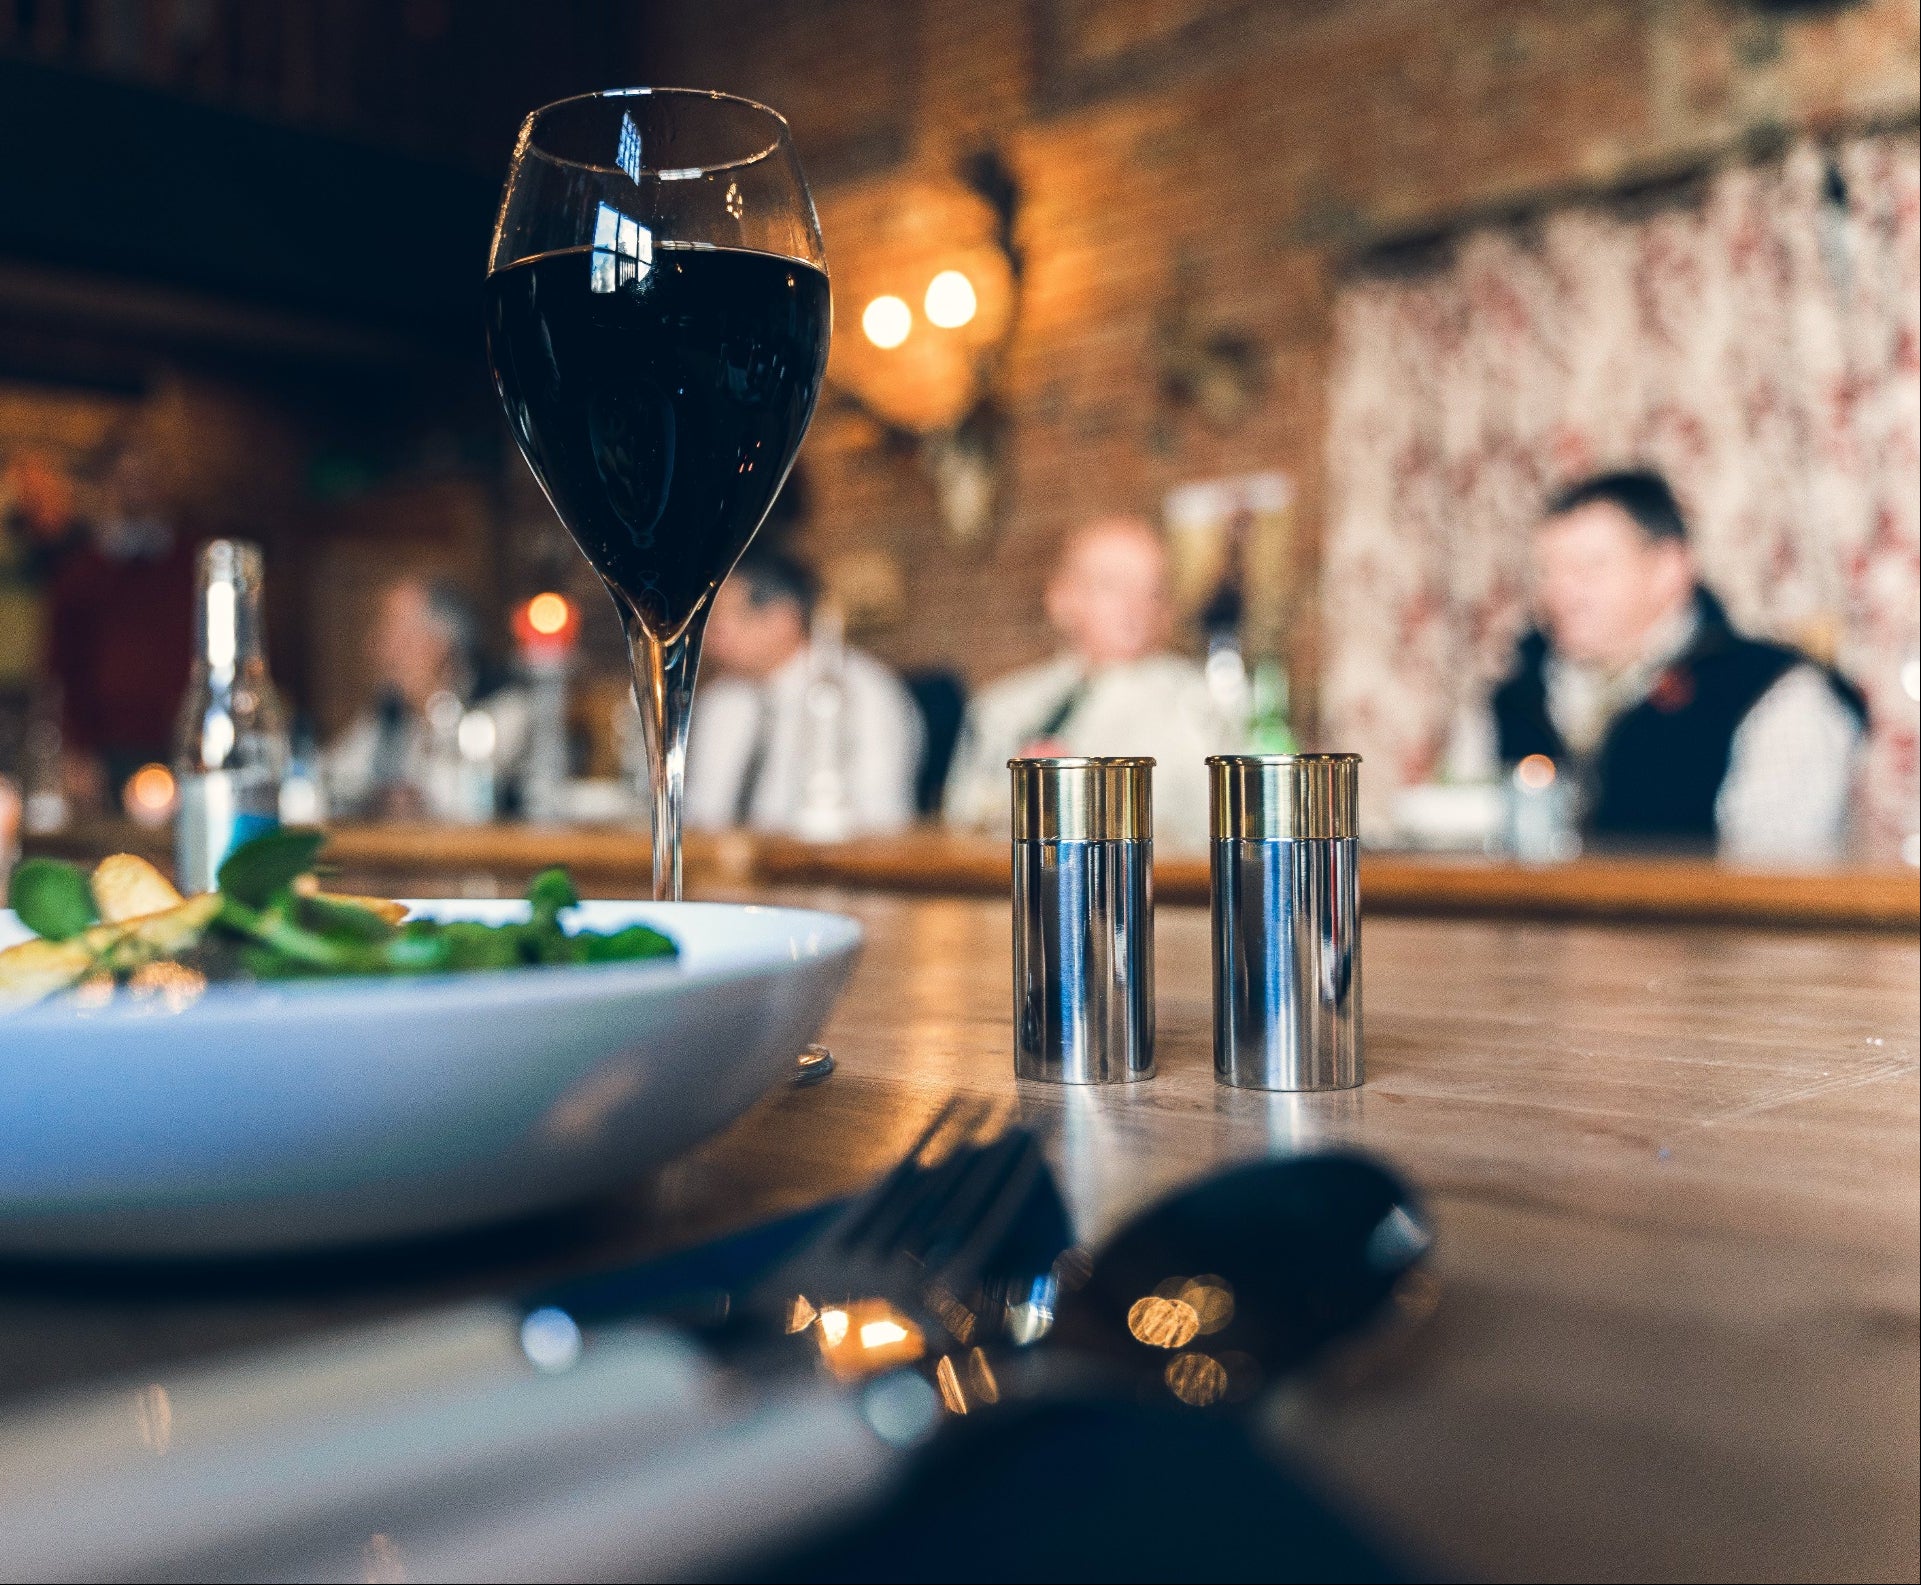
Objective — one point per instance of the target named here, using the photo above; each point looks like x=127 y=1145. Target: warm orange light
x=1211 y=1300
x=882 y=1334
x=1163 y=1323
x=548 y=614
x=1196 y=1379
x=1535 y=773
x=886 y=322
x=950 y=301
x=149 y=795
x=547 y=625
x=867 y=1337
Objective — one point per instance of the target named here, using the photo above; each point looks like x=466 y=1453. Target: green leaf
x=476 y=946
x=419 y=948
x=550 y=893
x=340 y=921
x=258 y=871
x=635 y=943
x=52 y=898
x=272 y=929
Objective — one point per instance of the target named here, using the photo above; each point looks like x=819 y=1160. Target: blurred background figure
x=39 y=526
x=795 y=731
x=1114 y=689
x=119 y=626
x=441 y=739
x=1678 y=730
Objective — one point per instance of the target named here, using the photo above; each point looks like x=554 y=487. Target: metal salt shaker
x=1083 y=920
x=1287 y=920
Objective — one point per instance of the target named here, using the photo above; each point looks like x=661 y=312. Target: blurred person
x=391 y=762
x=39 y=518
x=1679 y=730
x=119 y=614
x=39 y=525
x=750 y=746
x=1114 y=689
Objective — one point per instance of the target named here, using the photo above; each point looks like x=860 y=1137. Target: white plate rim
x=472 y=989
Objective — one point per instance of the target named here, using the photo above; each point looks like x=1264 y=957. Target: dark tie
x=1062 y=713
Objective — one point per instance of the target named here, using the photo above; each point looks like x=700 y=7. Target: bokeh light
x=1163 y=1323
x=886 y=322
x=149 y=795
x=950 y=301
x=548 y=614
x=1535 y=773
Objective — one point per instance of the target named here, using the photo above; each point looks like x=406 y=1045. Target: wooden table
x=1673 y=1326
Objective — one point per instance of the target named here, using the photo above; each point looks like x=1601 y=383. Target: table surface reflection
x=1673 y=1170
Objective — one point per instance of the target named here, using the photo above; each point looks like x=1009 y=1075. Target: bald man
x=1115 y=688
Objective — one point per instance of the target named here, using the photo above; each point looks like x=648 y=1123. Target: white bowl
x=270 y=1118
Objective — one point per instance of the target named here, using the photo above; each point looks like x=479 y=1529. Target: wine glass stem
x=664 y=686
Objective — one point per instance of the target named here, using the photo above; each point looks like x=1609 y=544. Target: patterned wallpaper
x=1761 y=343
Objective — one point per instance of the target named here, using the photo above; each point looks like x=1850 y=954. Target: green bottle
x=1268 y=731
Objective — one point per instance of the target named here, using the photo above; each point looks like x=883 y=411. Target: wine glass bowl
x=657 y=319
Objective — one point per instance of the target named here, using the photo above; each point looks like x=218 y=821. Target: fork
x=934 y=1218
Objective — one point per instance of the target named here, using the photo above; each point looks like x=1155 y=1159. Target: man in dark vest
x=1680 y=732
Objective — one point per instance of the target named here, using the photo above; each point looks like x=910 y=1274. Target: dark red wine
x=659 y=404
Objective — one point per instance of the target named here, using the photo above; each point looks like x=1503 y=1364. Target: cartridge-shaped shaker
x=1286 y=920
x=1083 y=919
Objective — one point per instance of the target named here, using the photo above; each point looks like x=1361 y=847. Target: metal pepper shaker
x=1287 y=920
x=1083 y=919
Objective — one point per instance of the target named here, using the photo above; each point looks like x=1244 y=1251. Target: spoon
x=1229 y=1284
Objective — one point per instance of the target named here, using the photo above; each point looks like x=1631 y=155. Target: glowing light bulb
x=950 y=300
x=887 y=321
x=548 y=614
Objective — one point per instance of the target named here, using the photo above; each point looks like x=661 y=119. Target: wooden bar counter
x=1394 y=883
x=1652 y=889
x=1669 y=1329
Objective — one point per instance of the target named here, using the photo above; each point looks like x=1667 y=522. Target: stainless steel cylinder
x=1083 y=920
x=1287 y=921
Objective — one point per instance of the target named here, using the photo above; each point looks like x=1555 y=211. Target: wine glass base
x=814 y=1064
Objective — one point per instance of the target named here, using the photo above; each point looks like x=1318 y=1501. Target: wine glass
x=657 y=321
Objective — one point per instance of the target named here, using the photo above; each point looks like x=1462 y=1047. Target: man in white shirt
x=1680 y=731
x=793 y=731
x=1114 y=689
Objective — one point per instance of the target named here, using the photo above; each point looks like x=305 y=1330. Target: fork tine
x=908 y=1182
x=916 y=1216
x=892 y=1232
x=969 y=1175
x=899 y=1178
x=977 y=1208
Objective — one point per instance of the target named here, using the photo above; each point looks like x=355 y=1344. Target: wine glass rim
x=679 y=172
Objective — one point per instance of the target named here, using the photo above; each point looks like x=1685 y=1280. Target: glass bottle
x=826 y=812
x=230 y=748
x=1268 y=729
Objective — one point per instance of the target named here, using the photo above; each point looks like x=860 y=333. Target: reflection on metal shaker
x=1286 y=921
x=1083 y=920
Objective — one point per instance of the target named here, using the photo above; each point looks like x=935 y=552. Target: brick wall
x=1229 y=156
